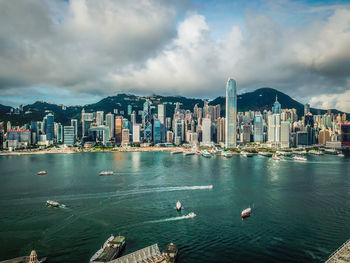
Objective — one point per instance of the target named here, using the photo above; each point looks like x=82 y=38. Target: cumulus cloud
x=104 y=47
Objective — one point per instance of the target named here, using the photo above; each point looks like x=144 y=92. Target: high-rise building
x=136 y=129
x=274 y=132
x=276 y=108
x=306 y=108
x=74 y=123
x=206 y=131
x=99 y=118
x=69 y=135
x=217 y=111
x=157 y=131
x=258 y=128
x=162 y=113
x=169 y=137
x=129 y=110
x=59 y=132
x=220 y=130
x=324 y=136
x=285 y=134
x=118 y=129
x=49 y=128
x=247 y=133
x=86 y=121
x=133 y=117
x=179 y=131
x=110 y=124
x=125 y=137
x=231 y=112
x=147 y=121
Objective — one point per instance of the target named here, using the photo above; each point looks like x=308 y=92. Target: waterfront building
x=147 y=122
x=302 y=138
x=101 y=133
x=206 y=132
x=220 y=130
x=69 y=135
x=19 y=135
x=274 y=129
x=247 y=132
x=136 y=129
x=74 y=123
x=49 y=128
x=118 y=129
x=86 y=120
x=258 y=128
x=125 y=137
x=179 y=131
x=157 y=131
x=169 y=137
x=59 y=132
x=285 y=134
x=324 y=136
x=110 y=124
x=231 y=112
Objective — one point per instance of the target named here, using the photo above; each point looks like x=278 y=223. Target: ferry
x=246 y=212
x=52 y=203
x=41 y=173
x=178 y=206
x=276 y=158
x=111 y=249
x=170 y=252
x=103 y=173
x=205 y=153
x=246 y=154
x=299 y=158
x=265 y=154
x=226 y=154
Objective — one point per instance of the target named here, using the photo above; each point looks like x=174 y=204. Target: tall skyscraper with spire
x=231 y=113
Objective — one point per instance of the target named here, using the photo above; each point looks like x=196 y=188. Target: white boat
x=226 y=154
x=299 y=158
x=205 y=153
x=41 y=173
x=52 y=203
x=191 y=215
x=246 y=212
x=103 y=173
x=276 y=158
x=178 y=206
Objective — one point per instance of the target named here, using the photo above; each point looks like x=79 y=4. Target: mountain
x=258 y=100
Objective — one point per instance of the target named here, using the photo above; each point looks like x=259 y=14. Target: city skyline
x=76 y=52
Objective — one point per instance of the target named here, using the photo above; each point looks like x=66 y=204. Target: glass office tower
x=231 y=113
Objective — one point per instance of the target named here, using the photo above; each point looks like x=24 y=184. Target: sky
x=80 y=51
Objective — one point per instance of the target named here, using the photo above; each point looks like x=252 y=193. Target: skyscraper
x=306 y=108
x=147 y=118
x=74 y=123
x=276 y=108
x=68 y=135
x=118 y=129
x=49 y=126
x=110 y=124
x=258 y=128
x=206 y=131
x=162 y=113
x=231 y=112
x=99 y=118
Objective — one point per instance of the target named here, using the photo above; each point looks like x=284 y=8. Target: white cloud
x=103 y=47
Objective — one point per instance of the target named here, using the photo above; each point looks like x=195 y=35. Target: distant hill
x=258 y=100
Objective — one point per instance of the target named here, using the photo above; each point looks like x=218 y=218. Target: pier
x=149 y=254
x=341 y=255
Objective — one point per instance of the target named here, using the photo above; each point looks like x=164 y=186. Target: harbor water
x=300 y=210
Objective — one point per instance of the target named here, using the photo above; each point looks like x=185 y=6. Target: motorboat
x=52 y=203
x=41 y=173
x=299 y=158
x=246 y=212
x=178 y=206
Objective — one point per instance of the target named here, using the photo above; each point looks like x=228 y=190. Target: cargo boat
x=170 y=252
x=52 y=203
x=111 y=249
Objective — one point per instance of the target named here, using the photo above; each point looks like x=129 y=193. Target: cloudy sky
x=79 y=51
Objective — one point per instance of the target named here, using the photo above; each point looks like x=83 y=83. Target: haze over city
x=79 y=51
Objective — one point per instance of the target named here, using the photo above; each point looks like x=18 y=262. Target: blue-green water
x=301 y=211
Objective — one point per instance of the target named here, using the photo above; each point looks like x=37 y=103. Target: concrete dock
x=341 y=255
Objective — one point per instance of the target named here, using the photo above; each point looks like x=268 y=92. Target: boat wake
x=190 y=215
